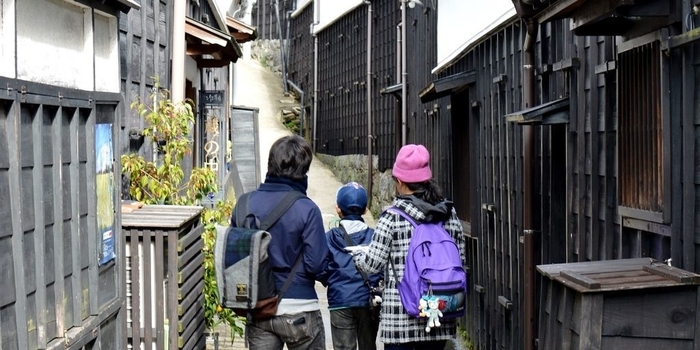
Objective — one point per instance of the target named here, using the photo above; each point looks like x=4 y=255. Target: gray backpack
x=243 y=273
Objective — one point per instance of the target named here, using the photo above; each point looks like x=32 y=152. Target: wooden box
x=164 y=277
x=618 y=304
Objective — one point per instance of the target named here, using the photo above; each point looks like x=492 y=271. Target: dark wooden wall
x=264 y=18
x=144 y=39
x=54 y=294
x=301 y=52
x=342 y=110
x=478 y=154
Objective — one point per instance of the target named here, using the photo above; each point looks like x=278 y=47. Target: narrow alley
x=264 y=91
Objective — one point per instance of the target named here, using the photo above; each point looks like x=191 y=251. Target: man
x=298 y=233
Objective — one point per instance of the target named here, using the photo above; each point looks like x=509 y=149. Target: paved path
x=262 y=89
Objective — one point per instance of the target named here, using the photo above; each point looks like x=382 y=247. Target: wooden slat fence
x=165 y=277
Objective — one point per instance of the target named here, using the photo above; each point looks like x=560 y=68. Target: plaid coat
x=391 y=239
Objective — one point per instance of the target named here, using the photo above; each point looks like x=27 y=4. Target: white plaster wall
x=7 y=38
x=461 y=21
x=191 y=72
x=331 y=10
x=54 y=43
x=106 y=53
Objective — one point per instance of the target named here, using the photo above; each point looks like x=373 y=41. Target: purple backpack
x=433 y=268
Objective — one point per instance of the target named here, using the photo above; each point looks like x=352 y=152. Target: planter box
x=164 y=277
x=618 y=304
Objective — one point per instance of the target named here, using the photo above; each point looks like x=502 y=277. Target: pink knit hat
x=412 y=164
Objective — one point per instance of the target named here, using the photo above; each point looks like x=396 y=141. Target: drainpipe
x=317 y=15
x=369 y=104
x=177 y=85
x=398 y=52
x=404 y=73
x=283 y=62
x=529 y=230
x=288 y=17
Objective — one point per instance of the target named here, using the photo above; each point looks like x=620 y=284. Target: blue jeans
x=423 y=345
x=302 y=331
x=354 y=327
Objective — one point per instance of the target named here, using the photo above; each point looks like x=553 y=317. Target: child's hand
x=357 y=249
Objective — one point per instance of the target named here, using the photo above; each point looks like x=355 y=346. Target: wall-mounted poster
x=104 y=184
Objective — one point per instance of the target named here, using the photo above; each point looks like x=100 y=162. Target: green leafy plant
x=464 y=339
x=162 y=182
x=214 y=313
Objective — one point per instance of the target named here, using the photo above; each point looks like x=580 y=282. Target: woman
x=420 y=197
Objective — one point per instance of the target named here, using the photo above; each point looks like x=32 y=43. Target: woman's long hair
x=428 y=191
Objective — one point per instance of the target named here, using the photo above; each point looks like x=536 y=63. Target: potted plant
x=168 y=125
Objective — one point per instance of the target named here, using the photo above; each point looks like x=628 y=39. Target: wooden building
x=565 y=132
x=62 y=265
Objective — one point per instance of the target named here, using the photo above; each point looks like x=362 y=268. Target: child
x=354 y=321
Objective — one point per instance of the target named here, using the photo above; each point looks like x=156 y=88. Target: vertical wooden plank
x=688 y=84
x=15 y=154
x=93 y=240
x=590 y=335
x=579 y=86
x=149 y=291
x=136 y=297
x=571 y=149
x=172 y=287
x=59 y=283
x=610 y=149
x=160 y=303
x=595 y=175
x=675 y=96
x=39 y=234
x=75 y=220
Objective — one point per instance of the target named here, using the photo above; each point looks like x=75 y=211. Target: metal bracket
x=488 y=207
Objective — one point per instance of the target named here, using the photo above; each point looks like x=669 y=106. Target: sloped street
x=262 y=89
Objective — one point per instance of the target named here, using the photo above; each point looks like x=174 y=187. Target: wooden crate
x=164 y=277
x=618 y=304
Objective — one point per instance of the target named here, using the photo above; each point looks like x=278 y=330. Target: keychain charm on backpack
x=433 y=313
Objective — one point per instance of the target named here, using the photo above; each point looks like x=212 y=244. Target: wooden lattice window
x=640 y=132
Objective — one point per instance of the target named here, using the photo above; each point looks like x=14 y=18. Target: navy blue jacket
x=300 y=229
x=346 y=287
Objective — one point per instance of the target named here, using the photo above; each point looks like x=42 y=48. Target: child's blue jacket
x=345 y=286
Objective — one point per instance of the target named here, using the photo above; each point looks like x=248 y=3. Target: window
x=640 y=133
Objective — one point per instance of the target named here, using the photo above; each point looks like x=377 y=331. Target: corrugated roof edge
x=464 y=49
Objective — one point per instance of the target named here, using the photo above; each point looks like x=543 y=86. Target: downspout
x=286 y=53
x=317 y=4
x=399 y=60
x=370 y=161
x=398 y=52
x=404 y=73
x=282 y=60
x=529 y=231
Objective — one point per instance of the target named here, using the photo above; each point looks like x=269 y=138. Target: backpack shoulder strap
x=403 y=214
x=242 y=209
x=350 y=243
x=280 y=209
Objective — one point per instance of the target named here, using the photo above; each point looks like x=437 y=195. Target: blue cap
x=352 y=198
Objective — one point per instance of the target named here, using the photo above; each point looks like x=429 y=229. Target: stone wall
x=267 y=51
x=354 y=168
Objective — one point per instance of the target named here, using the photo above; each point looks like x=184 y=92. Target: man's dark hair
x=289 y=157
